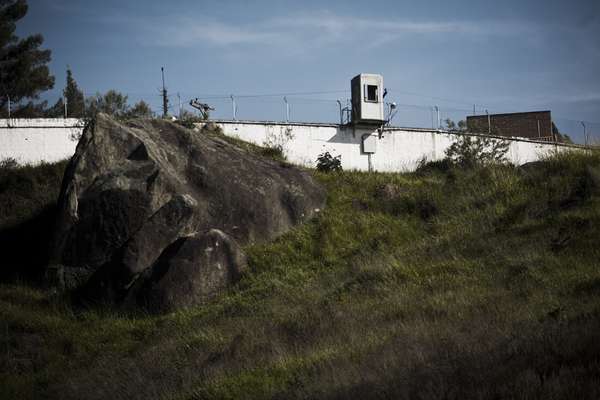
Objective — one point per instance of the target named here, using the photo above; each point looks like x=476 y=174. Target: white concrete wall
x=400 y=149
x=31 y=141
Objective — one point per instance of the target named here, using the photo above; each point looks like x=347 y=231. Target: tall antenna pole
x=164 y=94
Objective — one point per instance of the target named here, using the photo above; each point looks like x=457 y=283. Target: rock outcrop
x=155 y=214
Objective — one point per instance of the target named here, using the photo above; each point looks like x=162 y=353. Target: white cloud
x=311 y=30
x=187 y=32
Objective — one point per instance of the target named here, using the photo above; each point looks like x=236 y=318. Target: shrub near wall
x=28 y=196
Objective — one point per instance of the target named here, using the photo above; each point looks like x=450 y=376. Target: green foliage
x=24 y=71
x=469 y=151
x=269 y=152
x=454 y=127
x=74 y=96
x=328 y=163
x=115 y=104
x=28 y=197
x=141 y=109
x=75 y=100
x=188 y=119
x=275 y=143
x=425 y=167
x=464 y=283
x=27 y=109
x=26 y=190
x=275 y=153
x=8 y=164
x=112 y=103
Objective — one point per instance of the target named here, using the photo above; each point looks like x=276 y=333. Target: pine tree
x=74 y=96
x=24 y=71
x=75 y=101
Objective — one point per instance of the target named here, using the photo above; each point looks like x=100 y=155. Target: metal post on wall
x=437 y=112
x=233 y=108
x=66 y=107
x=432 y=109
x=585 y=138
x=489 y=122
x=287 y=109
x=8 y=106
x=341 y=114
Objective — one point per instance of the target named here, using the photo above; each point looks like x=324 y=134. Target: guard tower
x=367 y=99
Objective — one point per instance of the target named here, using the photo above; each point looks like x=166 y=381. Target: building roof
x=509 y=114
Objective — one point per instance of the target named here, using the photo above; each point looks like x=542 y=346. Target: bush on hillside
x=425 y=167
x=189 y=120
x=469 y=151
x=328 y=163
x=8 y=163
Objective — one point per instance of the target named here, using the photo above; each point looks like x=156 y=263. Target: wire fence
x=411 y=109
x=302 y=108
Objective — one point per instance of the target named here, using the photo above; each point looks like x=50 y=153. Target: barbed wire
x=302 y=104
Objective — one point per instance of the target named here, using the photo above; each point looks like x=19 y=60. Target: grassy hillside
x=458 y=284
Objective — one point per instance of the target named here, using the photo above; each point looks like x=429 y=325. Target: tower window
x=371 y=93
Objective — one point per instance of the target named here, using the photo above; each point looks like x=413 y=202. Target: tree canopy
x=112 y=102
x=141 y=109
x=74 y=97
x=24 y=72
x=115 y=103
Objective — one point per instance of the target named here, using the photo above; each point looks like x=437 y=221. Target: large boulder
x=155 y=212
x=189 y=271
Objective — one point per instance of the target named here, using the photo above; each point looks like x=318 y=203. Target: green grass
x=457 y=284
x=26 y=190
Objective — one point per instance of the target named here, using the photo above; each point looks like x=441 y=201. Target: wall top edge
x=41 y=123
x=392 y=129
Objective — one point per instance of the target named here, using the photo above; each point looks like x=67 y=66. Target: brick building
x=532 y=125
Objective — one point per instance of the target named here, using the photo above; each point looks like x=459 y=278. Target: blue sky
x=504 y=56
